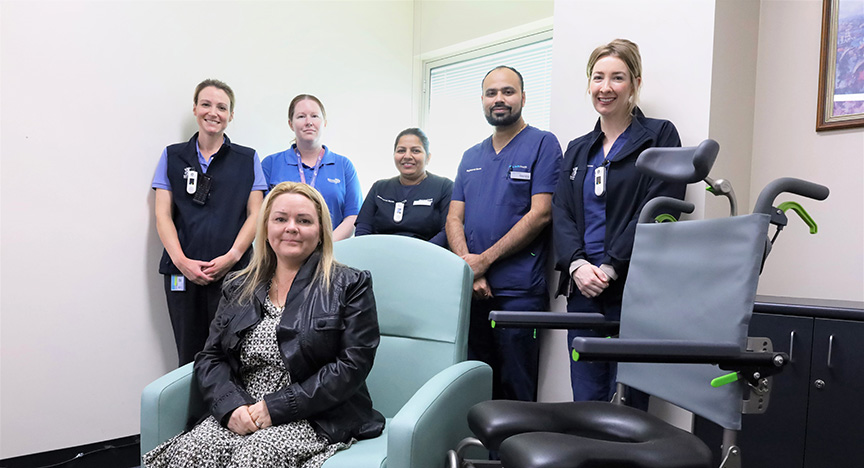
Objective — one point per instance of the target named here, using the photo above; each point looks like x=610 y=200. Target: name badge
x=178 y=283
x=191 y=176
x=398 y=211
x=424 y=202
x=600 y=181
x=519 y=175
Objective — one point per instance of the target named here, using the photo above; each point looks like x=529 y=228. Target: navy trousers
x=513 y=353
x=596 y=381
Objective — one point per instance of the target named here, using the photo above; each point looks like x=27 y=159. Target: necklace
x=276 y=289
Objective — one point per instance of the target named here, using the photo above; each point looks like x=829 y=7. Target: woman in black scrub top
x=412 y=204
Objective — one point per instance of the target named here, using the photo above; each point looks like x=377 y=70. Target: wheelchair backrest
x=693 y=280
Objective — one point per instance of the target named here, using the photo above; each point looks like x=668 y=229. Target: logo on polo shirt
x=333 y=181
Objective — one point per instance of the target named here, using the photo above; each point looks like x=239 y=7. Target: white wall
x=91 y=93
x=829 y=265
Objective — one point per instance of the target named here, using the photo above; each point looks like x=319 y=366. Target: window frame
x=471 y=53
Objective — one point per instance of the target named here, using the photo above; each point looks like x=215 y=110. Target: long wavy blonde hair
x=262 y=267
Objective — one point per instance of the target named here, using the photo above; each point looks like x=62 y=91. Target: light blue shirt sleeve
x=353 y=195
x=160 y=178
x=260 y=182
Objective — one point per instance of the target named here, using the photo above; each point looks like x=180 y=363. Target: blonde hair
x=628 y=52
x=262 y=267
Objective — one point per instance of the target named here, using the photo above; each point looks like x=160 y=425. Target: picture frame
x=841 y=66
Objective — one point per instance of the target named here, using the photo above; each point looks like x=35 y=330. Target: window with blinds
x=454 y=117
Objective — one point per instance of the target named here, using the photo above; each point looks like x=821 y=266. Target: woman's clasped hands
x=590 y=280
x=249 y=418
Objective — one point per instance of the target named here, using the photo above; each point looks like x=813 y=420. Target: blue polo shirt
x=160 y=178
x=497 y=191
x=337 y=180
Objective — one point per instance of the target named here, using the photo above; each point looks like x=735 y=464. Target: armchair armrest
x=168 y=406
x=435 y=419
x=552 y=320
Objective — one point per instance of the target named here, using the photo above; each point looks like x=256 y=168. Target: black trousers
x=191 y=312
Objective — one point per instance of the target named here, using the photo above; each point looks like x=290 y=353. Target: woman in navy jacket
x=598 y=200
x=414 y=203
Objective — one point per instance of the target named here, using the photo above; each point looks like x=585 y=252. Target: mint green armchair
x=420 y=381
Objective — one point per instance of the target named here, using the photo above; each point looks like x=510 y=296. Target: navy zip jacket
x=627 y=191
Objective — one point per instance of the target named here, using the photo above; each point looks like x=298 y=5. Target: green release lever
x=724 y=379
x=794 y=206
x=493 y=323
x=662 y=218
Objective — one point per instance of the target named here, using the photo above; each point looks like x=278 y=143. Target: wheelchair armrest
x=727 y=356
x=667 y=351
x=555 y=320
x=434 y=420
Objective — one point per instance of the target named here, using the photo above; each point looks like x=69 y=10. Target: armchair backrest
x=423 y=297
x=693 y=280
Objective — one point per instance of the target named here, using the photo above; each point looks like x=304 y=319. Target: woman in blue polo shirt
x=415 y=202
x=598 y=199
x=310 y=162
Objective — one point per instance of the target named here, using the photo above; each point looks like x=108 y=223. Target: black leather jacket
x=328 y=340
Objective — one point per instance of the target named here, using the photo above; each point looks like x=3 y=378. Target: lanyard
x=314 y=173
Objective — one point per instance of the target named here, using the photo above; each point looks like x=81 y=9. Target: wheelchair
x=682 y=337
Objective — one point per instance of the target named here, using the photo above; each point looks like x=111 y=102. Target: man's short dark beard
x=503 y=121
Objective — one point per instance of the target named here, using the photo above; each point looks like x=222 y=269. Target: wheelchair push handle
x=765 y=202
x=660 y=204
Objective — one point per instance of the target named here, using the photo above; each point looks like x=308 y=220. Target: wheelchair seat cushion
x=583 y=434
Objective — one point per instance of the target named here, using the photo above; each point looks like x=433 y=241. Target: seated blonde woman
x=284 y=368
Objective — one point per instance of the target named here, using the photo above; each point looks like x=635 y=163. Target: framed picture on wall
x=841 y=66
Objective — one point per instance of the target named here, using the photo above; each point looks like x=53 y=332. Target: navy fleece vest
x=208 y=231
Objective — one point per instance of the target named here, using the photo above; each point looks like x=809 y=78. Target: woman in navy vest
x=208 y=193
x=309 y=161
x=414 y=203
x=598 y=200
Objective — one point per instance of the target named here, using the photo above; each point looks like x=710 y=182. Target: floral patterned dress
x=209 y=445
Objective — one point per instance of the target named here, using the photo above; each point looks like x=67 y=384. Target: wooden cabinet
x=816 y=414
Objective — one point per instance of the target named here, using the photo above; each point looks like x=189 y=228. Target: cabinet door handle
x=791 y=345
x=830 y=349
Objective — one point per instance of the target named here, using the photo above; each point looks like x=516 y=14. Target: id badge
x=398 y=211
x=519 y=175
x=191 y=177
x=178 y=283
x=600 y=181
